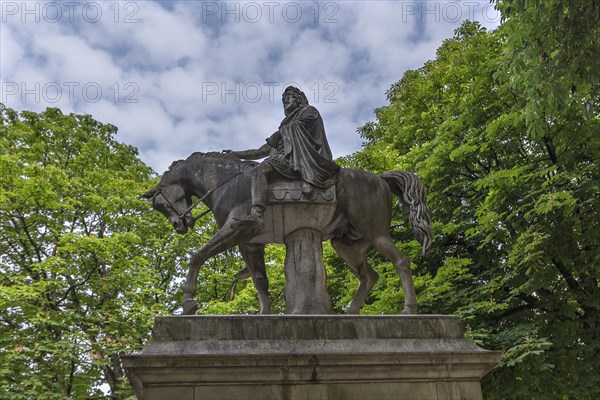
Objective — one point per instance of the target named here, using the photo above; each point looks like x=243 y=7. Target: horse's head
x=174 y=203
x=184 y=178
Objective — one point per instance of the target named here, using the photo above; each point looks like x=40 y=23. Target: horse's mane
x=196 y=159
x=217 y=154
x=210 y=155
x=173 y=165
x=213 y=154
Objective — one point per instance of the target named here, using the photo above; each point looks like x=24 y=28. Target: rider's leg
x=260 y=186
x=259 y=199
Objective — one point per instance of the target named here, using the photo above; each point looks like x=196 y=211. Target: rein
x=195 y=204
x=211 y=191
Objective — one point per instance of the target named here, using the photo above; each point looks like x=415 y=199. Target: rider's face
x=289 y=103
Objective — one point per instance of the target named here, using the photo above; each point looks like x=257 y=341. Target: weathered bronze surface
x=300 y=197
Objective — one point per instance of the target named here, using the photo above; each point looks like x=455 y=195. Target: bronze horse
x=362 y=219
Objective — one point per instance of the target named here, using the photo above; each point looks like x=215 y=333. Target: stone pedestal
x=305 y=276
x=295 y=357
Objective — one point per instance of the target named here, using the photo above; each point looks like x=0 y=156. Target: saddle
x=292 y=205
x=289 y=192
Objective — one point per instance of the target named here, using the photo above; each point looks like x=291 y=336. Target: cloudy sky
x=183 y=76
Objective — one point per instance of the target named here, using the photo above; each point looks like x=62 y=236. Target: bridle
x=195 y=204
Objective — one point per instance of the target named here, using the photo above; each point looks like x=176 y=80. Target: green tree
x=552 y=57
x=84 y=264
x=515 y=212
x=220 y=293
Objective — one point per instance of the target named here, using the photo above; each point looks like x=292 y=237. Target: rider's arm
x=273 y=141
x=254 y=154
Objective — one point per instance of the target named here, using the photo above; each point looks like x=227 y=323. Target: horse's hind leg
x=353 y=252
x=254 y=256
x=388 y=249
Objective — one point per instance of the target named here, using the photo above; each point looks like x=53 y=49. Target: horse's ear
x=149 y=194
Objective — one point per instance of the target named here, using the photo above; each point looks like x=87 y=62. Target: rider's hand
x=274 y=140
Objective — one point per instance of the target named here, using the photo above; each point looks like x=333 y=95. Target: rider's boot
x=254 y=220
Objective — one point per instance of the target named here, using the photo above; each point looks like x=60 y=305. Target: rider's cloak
x=304 y=150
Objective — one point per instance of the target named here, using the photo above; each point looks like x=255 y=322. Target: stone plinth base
x=296 y=357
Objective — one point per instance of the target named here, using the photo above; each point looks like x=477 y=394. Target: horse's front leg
x=225 y=239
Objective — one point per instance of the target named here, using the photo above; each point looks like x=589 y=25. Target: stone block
x=299 y=357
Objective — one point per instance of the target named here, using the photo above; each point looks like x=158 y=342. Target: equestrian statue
x=298 y=196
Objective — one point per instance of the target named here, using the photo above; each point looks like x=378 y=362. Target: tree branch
x=549 y=143
x=566 y=274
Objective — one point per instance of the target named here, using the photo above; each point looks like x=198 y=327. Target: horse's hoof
x=353 y=311
x=189 y=307
x=409 y=310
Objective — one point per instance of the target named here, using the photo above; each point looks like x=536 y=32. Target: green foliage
x=552 y=53
x=84 y=265
x=515 y=206
x=504 y=129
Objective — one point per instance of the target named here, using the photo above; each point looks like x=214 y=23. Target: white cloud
x=71 y=59
x=11 y=52
x=314 y=58
x=204 y=76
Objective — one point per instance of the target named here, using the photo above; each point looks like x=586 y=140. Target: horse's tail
x=411 y=191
